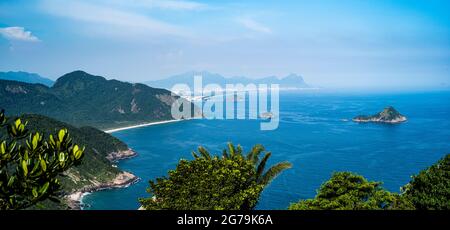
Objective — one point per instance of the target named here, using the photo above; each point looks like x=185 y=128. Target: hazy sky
x=331 y=43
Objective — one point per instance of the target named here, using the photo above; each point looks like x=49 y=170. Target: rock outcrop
x=122 y=180
x=120 y=155
x=388 y=115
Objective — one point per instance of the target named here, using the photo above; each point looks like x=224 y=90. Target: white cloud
x=254 y=25
x=18 y=33
x=165 y=4
x=122 y=21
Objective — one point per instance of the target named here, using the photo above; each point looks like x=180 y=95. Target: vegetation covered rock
x=388 y=115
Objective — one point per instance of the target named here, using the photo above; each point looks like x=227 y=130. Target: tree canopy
x=349 y=191
x=233 y=181
x=430 y=189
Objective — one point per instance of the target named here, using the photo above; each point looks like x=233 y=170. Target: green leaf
x=77 y=152
x=75 y=148
x=35 y=193
x=25 y=155
x=52 y=140
x=17 y=122
x=25 y=168
x=43 y=165
x=35 y=141
x=61 y=157
x=44 y=188
x=3 y=147
x=61 y=134
x=11 y=181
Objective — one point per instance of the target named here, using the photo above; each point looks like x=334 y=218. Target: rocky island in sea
x=388 y=115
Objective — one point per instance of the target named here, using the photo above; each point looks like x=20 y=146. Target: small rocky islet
x=388 y=115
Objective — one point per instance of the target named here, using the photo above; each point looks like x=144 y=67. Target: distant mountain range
x=25 y=77
x=82 y=99
x=292 y=81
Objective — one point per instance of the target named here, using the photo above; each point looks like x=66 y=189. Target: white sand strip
x=141 y=125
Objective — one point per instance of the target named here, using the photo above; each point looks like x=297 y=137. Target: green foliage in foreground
x=95 y=168
x=231 y=182
x=349 y=191
x=30 y=164
x=430 y=189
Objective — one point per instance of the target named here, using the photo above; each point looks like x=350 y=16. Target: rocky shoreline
x=388 y=115
x=393 y=121
x=122 y=180
x=121 y=155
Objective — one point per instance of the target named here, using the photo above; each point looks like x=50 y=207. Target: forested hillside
x=81 y=99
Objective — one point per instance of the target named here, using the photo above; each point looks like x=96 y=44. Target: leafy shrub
x=430 y=189
x=29 y=165
x=231 y=182
x=349 y=191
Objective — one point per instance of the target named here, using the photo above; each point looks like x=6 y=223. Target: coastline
x=142 y=125
x=122 y=180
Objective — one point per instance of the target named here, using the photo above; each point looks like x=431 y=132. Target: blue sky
x=355 y=44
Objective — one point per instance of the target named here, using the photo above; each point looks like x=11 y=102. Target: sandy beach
x=141 y=125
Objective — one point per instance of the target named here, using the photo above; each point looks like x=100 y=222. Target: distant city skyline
x=332 y=44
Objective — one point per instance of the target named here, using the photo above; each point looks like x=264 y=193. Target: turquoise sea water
x=313 y=134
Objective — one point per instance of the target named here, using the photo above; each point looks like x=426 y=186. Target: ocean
x=315 y=134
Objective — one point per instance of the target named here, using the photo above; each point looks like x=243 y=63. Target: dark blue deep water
x=313 y=135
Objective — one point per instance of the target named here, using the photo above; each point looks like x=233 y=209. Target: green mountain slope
x=82 y=99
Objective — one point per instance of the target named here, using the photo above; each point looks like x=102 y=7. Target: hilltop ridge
x=82 y=99
x=291 y=81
